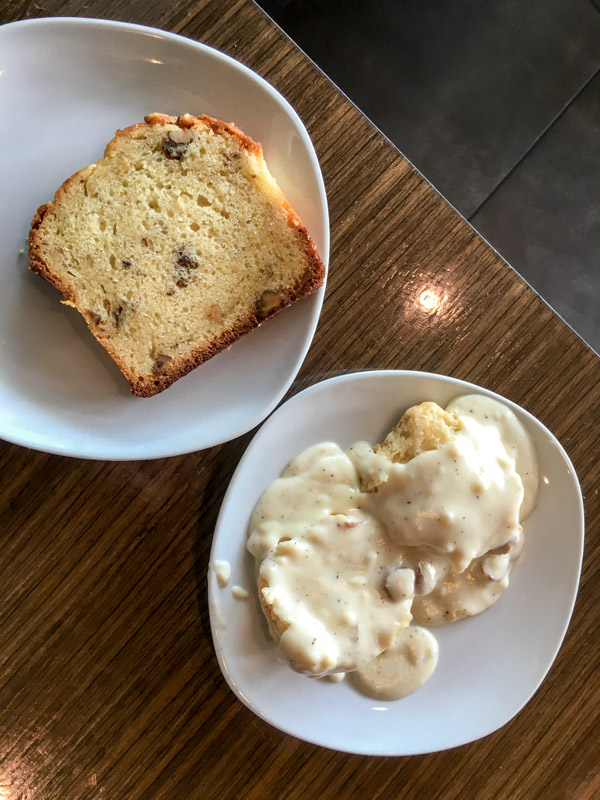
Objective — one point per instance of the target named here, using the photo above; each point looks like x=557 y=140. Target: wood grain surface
x=109 y=686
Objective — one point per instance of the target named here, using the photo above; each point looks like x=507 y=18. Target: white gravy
x=402 y=669
x=461 y=500
x=222 y=571
x=341 y=571
x=325 y=591
x=515 y=439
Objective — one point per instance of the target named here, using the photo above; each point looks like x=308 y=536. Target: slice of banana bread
x=173 y=246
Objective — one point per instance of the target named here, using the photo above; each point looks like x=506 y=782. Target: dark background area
x=497 y=103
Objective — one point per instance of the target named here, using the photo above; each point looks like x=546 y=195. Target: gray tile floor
x=497 y=103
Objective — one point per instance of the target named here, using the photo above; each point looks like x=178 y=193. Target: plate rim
x=212 y=588
x=107 y=452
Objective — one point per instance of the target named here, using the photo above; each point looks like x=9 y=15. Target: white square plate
x=489 y=665
x=67 y=85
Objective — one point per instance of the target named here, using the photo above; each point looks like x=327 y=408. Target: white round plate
x=489 y=666
x=67 y=86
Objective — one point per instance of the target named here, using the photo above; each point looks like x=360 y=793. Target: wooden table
x=109 y=686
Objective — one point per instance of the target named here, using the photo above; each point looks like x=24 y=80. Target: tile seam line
x=535 y=142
